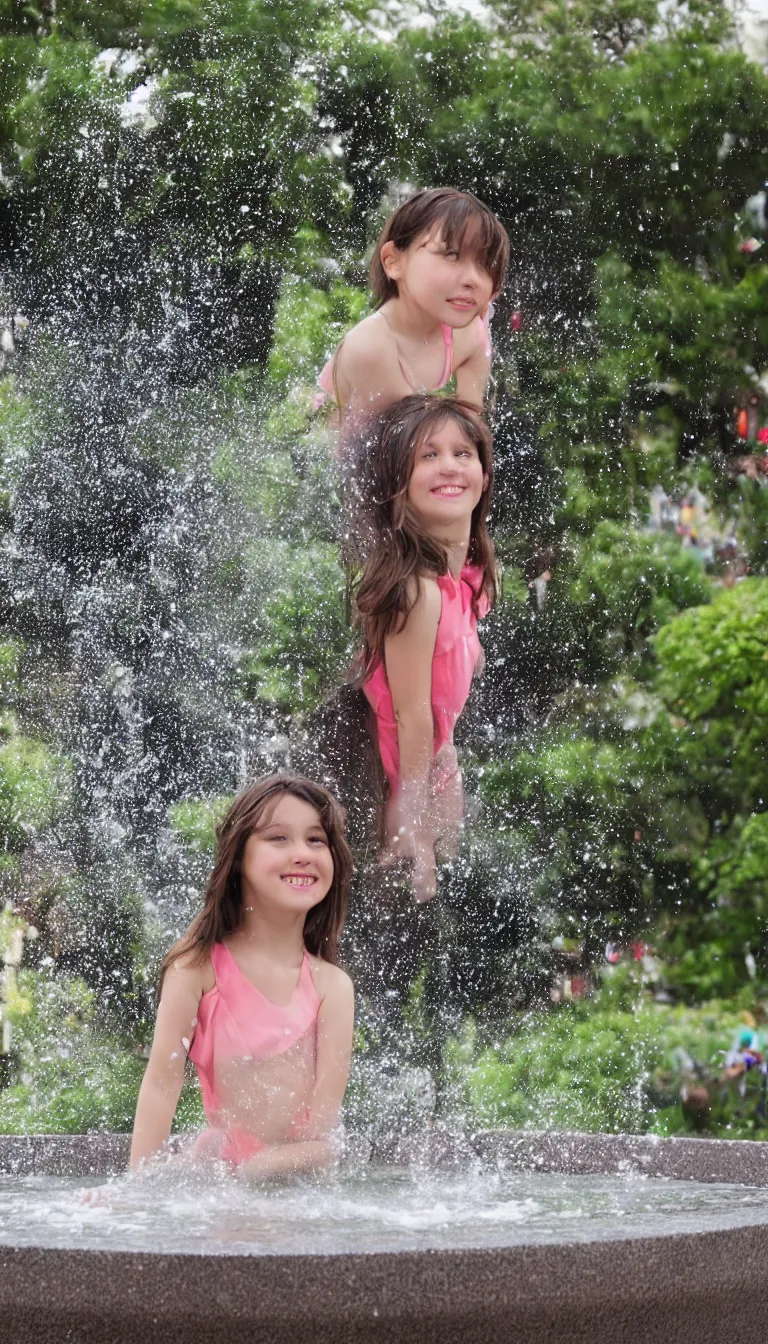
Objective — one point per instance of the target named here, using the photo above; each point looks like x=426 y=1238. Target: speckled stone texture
x=702 y=1288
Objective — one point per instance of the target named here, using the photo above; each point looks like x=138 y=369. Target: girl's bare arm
x=472 y=377
x=335 y=1025
x=408 y=655
x=162 y=1082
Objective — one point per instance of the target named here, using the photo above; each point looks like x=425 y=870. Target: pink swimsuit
x=238 y=1030
x=327 y=391
x=457 y=651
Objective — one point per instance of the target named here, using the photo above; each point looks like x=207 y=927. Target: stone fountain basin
x=707 y=1287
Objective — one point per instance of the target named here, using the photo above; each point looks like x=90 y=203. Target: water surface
x=374 y=1210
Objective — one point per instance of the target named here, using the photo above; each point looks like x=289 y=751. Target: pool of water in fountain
x=378 y=1210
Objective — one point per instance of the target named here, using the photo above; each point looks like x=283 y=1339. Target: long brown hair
x=385 y=540
x=222 y=911
x=463 y=221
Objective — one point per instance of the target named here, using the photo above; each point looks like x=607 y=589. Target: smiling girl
x=423 y=487
x=252 y=993
x=439 y=262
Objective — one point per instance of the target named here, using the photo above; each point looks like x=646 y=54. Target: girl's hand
x=400 y=831
x=98 y=1196
x=405 y=840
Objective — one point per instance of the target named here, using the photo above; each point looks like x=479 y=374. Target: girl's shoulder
x=371 y=339
x=195 y=972
x=425 y=602
x=329 y=979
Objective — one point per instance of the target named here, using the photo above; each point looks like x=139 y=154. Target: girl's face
x=453 y=287
x=447 y=478
x=287 y=862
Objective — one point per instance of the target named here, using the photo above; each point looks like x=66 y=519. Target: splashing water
x=375 y=1210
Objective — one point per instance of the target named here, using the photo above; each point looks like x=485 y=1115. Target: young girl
x=439 y=262
x=252 y=992
x=424 y=488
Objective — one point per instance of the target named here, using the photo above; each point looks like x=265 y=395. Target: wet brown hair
x=462 y=221
x=222 y=911
x=386 y=541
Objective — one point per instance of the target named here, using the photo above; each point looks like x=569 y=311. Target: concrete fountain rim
x=730 y=1161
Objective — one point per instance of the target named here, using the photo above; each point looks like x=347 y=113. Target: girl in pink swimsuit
x=422 y=489
x=252 y=993
x=438 y=264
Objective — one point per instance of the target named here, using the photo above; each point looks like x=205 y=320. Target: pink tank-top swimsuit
x=457 y=652
x=237 y=1023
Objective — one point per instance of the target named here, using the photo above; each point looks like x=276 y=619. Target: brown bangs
x=464 y=228
x=463 y=223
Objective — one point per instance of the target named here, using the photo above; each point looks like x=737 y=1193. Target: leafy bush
x=195 y=822
x=309 y=323
x=306 y=639
x=714 y=678
x=632 y=582
x=603 y=1065
x=33 y=785
x=72 y=1076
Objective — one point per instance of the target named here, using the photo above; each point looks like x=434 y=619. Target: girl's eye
x=318 y=839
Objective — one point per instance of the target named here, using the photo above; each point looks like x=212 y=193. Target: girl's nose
x=470 y=272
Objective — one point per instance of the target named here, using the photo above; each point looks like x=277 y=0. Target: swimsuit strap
x=229 y=974
x=482 y=339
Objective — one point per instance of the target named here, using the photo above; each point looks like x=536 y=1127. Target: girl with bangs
x=440 y=261
x=252 y=992
x=420 y=492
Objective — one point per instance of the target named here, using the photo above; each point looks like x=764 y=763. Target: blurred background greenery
x=188 y=194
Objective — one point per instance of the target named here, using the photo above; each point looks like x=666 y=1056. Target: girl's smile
x=288 y=853
x=447 y=479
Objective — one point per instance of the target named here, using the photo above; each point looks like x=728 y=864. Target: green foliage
x=33 y=786
x=583 y=810
x=604 y=1065
x=34 y=782
x=752 y=523
x=72 y=1076
x=714 y=678
x=309 y=323
x=628 y=583
x=195 y=822
x=306 y=640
